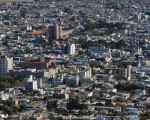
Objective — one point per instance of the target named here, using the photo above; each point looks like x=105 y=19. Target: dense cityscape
x=74 y=59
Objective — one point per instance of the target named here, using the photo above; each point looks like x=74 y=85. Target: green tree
x=83 y=107
x=22 y=108
x=128 y=87
x=72 y=103
x=28 y=50
x=52 y=104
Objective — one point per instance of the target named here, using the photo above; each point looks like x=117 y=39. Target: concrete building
x=6 y=64
x=123 y=73
x=54 y=32
x=30 y=84
x=38 y=64
x=71 y=49
x=71 y=80
x=129 y=72
x=85 y=72
x=37 y=73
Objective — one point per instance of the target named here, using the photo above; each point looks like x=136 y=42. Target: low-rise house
x=132 y=111
x=123 y=96
x=4 y=96
x=60 y=95
x=87 y=94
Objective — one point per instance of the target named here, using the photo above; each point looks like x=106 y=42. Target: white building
x=4 y=96
x=30 y=84
x=6 y=64
x=71 y=49
x=129 y=72
x=86 y=72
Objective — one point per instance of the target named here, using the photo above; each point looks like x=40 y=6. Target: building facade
x=71 y=49
x=54 y=32
x=6 y=64
x=30 y=84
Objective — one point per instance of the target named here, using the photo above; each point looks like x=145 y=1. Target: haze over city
x=74 y=59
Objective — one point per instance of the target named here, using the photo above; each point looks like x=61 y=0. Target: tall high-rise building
x=129 y=72
x=54 y=32
x=6 y=64
x=50 y=32
x=64 y=49
x=30 y=84
x=57 y=31
x=71 y=49
x=123 y=73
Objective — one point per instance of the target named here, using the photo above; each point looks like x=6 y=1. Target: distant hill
x=5 y=1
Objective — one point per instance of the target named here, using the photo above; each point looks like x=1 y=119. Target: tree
x=80 y=83
x=83 y=107
x=39 y=111
x=22 y=108
x=80 y=52
x=113 y=46
x=52 y=104
x=72 y=103
x=89 y=25
x=10 y=112
x=23 y=12
x=28 y=50
x=128 y=86
x=120 y=44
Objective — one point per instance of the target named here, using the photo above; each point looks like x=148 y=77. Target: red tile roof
x=37 y=32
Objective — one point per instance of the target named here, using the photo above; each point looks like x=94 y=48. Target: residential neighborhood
x=75 y=60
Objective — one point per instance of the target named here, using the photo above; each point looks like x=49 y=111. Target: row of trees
x=111 y=27
x=7 y=82
x=12 y=110
x=128 y=87
x=112 y=45
x=73 y=103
